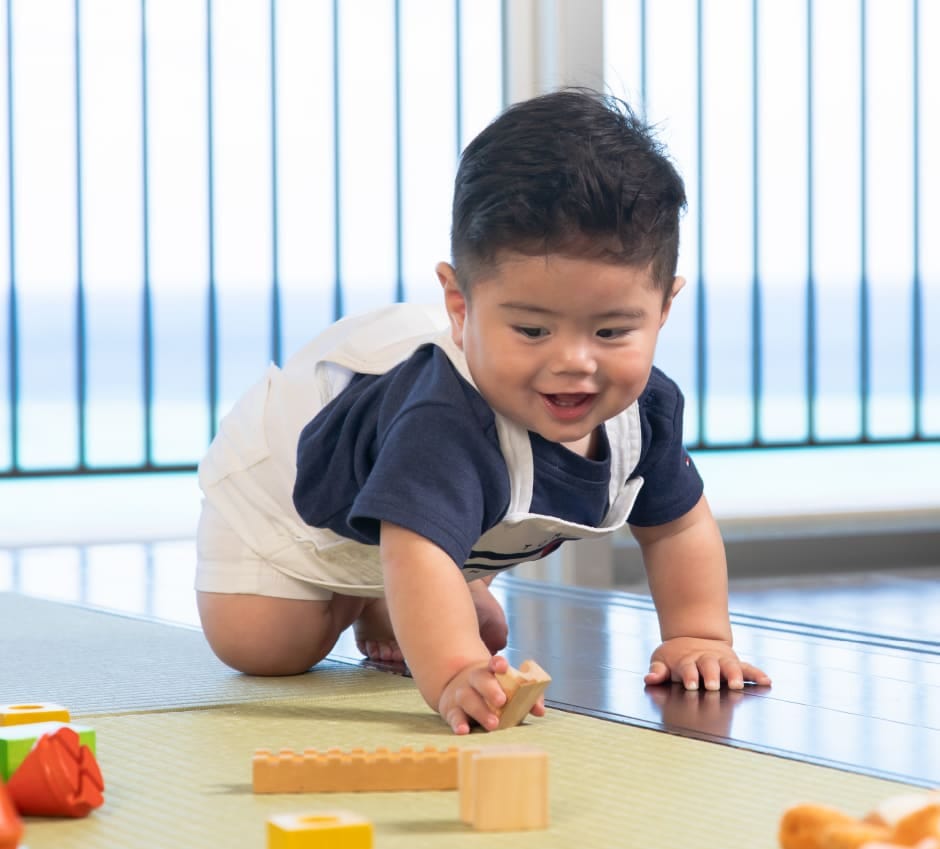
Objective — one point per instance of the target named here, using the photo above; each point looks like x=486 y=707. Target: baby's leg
x=257 y=619
x=494 y=630
x=263 y=635
x=375 y=637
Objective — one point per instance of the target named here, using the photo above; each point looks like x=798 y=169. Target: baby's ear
x=454 y=301
x=677 y=284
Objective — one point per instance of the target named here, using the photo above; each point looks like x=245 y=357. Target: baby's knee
x=260 y=635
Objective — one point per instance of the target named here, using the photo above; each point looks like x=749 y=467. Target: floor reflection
x=707 y=714
x=153 y=580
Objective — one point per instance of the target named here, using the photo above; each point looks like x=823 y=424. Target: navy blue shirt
x=418 y=447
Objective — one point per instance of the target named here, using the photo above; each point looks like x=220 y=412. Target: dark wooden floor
x=855 y=658
x=862 y=699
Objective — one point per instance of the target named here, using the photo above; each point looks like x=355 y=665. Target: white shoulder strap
x=626 y=438
x=373 y=342
x=513 y=440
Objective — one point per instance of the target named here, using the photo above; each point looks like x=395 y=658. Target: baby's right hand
x=474 y=694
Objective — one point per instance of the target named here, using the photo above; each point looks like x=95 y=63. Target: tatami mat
x=97 y=662
x=181 y=777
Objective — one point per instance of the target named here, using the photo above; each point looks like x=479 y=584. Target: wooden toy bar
x=338 y=771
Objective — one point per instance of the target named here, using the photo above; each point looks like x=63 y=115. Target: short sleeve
x=436 y=474
x=671 y=484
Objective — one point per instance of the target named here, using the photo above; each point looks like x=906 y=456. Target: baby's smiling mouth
x=568 y=399
x=568 y=405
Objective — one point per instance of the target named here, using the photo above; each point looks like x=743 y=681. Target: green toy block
x=17 y=740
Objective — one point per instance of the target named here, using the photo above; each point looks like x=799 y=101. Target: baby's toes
x=380 y=649
x=389 y=651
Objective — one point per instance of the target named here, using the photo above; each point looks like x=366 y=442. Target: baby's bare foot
x=494 y=631
x=374 y=635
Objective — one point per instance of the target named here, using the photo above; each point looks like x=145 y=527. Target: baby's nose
x=575 y=356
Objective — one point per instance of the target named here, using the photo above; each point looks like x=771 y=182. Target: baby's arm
x=688 y=578
x=436 y=626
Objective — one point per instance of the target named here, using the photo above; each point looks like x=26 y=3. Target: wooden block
x=505 y=788
x=522 y=686
x=321 y=830
x=17 y=740
x=464 y=777
x=336 y=771
x=28 y=713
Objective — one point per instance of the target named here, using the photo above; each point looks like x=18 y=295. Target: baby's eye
x=612 y=332
x=531 y=332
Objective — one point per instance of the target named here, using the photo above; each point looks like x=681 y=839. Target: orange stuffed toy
x=900 y=822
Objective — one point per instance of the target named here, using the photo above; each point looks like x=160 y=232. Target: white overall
x=248 y=473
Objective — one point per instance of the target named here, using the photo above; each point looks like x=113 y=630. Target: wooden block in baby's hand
x=522 y=686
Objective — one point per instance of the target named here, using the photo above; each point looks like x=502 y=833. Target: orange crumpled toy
x=911 y=821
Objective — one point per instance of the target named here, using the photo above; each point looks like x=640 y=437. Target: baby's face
x=559 y=345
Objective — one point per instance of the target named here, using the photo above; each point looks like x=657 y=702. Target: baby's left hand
x=690 y=659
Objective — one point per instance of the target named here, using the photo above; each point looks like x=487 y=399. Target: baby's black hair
x=575 y=173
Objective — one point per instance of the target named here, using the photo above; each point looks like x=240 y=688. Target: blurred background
x=189 y=191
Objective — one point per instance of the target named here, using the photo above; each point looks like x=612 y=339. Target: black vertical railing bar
x=399 y=188
x=810 y=352
x=458 y=75
x=146 y=290
x=700 y=312
x=917 y=295
x=864 y=318
x=13 y=348
x=81 y=362
x=337 y=183
x=275 y=200
x=757 y=342
x=212 y=349
x=644 y=62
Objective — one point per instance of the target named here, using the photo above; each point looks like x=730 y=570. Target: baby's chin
x=582 y=442
x=571 y=435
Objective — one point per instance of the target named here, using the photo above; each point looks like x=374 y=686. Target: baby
x=404 y=458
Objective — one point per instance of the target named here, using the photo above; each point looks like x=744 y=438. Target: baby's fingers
x=710 y=670
x=732 y=672
x=687 y=671
x=658 y=673
x=457 y=719
x=498 y=664
x=487 y=686
x=481 y=700
x=758 y=676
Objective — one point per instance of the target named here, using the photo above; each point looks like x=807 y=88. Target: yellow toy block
x=504 y=788
x=336 y=771
x=322 y=830
x=522 y=686
x=28 y=714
